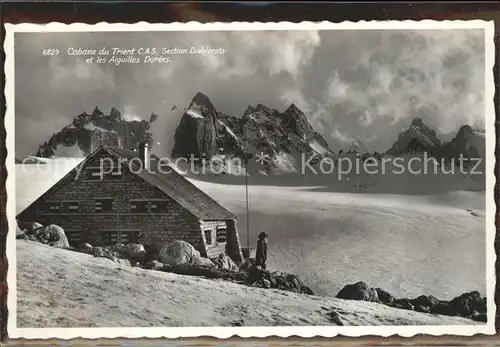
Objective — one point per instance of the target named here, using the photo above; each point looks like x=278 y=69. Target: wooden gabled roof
x=178 y=188
x=173 y=184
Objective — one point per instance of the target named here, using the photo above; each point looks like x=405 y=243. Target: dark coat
x=261 y=253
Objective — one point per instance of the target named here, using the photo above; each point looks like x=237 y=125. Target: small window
x=140 y=206
x=110 y=237
x=134 y=236
x=53 y=206
x=97 y=173
x=208 y=236
x=221 y=234
x=159 y=206
x=103 y=205
x=72 y=206
x=74 y=236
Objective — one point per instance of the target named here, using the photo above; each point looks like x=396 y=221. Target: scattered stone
x=466 y=303
x=469 y=305
x=403 y=303
x=358 y=291
x=204 y=271
x=277 y=280
x=479 y=317
x=86 y=248
x=118 y=248
x=334 y=317
x=52 y=235
x=247 y=265
x=29 y=227
x=103 y=252
x=153 y=265
x=134 y=252
x=424 y=303
x=20 y=234
x=384 y=296
x=266 y=283
x=181 y=253
x=224 y=262
x=152 y=253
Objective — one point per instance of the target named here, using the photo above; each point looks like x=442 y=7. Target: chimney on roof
x=144 y=155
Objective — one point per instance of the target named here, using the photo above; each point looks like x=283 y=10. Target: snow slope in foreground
x=61 y=288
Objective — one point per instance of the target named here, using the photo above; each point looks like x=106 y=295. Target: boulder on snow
x=20 y=234
x=134 y=252
x=278 y=280
x=29 y=227
x=424 y=303
x=224 y=262
x=247 y=265
x=52 y=235
x=153 y=265
x=479 y=317
x=464 y=305
x=118 y=248
x=205 y=271
x=102 y=252
x=384 y=296
x=180 y=253
x=404 y=304
x=469 y=305
x=86 y=248
x=152 y=253
x=358 y=291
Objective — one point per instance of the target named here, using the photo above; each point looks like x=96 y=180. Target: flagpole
x=246 y=198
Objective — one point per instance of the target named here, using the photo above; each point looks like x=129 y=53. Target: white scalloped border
x=254 y=332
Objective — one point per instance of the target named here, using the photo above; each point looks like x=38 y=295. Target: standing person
x=261 y=253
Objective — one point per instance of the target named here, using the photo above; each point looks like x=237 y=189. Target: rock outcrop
x=417 y=138
x=358 y=291
x=181 y=253
x=89 y=131
x=196 y=133
x=282 y=136
x=467 y=144
x=224 y=262
x=470 y=305
x=104 y=252
x=51 y=235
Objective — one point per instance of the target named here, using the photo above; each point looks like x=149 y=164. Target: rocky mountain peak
x=201 y=106
x=97 y=113
x=88 y=131
x=465 y=131
x=293 y=109
x=260 y=130
x=417 y=137
x=196 y=134
x=417 y=122
x=115 y=114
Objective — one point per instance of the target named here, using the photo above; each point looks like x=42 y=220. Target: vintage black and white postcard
x=251 y=179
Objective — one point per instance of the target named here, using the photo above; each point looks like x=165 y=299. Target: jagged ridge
x=204 y=132
x=421 y=138
x=87 y=131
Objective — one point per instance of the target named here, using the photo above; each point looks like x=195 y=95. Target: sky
x=366 y=85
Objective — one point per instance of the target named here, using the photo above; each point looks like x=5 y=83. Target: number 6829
x=50 y=51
